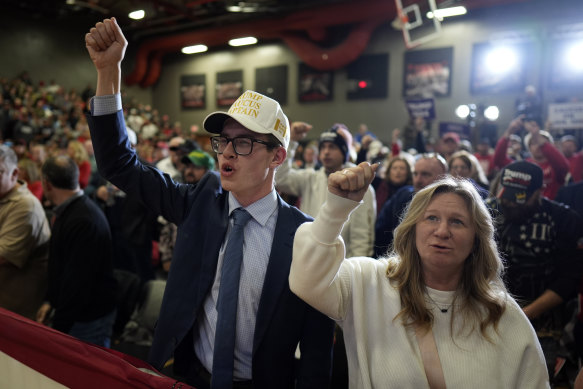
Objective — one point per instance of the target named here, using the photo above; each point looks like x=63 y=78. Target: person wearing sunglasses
x=269 y=321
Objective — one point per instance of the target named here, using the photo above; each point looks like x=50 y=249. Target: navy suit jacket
x=201 y=213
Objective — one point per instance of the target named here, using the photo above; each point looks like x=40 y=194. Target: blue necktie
x=223 y=358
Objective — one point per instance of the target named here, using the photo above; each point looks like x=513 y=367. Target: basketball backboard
x=415 y=18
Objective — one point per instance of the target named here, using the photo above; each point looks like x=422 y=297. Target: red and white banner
x=35 y=356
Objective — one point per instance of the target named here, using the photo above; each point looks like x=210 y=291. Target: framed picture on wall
x=193 y=91
x=229 y=87
x=500 y=67
x=272 y=82
x=368 y=77
x=314 y=85
x=427 y=73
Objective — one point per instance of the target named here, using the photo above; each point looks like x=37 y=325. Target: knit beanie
x=333 y=135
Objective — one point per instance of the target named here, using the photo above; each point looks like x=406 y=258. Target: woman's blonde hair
x=29 y=170
x=79 y=154
x=481 y=291
x=476 y=171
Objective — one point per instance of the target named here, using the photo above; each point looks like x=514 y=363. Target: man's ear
x=46 y=184
x=279 y=156
x=15 y=173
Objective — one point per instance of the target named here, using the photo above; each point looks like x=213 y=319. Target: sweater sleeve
x=395 y=149
x=558 y=162
x=577 y=167
x=317 y=256
x=84 y=174
x=287 y=179
x=522 y=353
x=500 y=157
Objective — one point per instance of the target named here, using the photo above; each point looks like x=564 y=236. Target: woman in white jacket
x=433 y=314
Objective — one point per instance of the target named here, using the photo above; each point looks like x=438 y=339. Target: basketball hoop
x=416 y=28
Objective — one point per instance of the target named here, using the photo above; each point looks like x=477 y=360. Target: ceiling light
x=243 y=41
x=492 y=113
x=462 y=111
x=243 y=7
x=446 y=12
x=137 y=15
x=194 y=49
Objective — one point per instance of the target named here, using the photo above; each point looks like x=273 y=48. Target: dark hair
x=408 y=179
x=273 y=142
x=62 y=172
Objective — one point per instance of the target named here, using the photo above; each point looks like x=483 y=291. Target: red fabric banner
x=61 y=359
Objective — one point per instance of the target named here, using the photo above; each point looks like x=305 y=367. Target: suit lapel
x=276 y=277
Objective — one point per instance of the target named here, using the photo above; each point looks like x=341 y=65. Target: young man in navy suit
x=271 y=321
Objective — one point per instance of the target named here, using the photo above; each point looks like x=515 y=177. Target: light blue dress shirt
x=258 y=238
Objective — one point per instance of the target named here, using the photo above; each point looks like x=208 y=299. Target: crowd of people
x=408 y=253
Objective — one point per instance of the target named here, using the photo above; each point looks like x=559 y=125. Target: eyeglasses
x=242 y=145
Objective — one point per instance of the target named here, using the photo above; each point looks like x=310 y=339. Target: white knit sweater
x=381 y=352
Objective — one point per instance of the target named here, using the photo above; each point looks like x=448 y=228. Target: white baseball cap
x=255 y=112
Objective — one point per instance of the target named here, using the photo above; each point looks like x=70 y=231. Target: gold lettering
x=246 y=103
x=244 y=111
x=280 y=127
x=250 y=95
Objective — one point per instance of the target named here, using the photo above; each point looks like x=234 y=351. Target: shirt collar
x=20 y=188
x=59 y=209
x=260 y=210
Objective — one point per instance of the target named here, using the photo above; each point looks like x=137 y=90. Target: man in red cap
x=450 y=143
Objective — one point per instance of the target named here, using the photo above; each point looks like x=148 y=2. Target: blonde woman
x=434 y=314
x=78 y=153
x=463 y=164
x=29 y=172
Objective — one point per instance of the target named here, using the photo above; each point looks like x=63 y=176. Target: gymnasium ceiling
x=325 y=34
x=175 y=16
